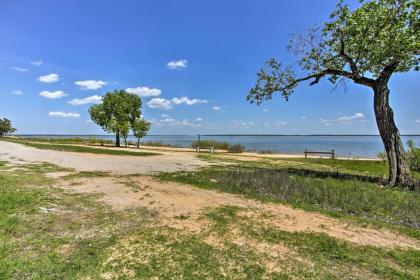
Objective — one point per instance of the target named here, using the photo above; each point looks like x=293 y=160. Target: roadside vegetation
x=218 y=145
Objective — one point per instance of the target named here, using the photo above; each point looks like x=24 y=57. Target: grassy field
x=79 y=149
x=48 y=233
x=340 y=188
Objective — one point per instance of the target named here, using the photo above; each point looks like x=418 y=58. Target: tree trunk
x=399 y=173
x=138 y=143
x=117 y=139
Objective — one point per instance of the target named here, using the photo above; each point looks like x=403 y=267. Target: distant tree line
x=119 y=113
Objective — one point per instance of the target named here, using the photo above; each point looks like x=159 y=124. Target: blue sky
x=192 y=61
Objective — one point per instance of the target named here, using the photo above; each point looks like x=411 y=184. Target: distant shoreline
x=236 y=135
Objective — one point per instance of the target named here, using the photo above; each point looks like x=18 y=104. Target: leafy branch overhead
x=365 y=45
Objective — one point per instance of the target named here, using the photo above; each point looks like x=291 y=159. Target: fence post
x=333 y=153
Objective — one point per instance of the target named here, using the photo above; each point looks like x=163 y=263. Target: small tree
x=140 y=127
x=124 y=130
x=367 y=46
x=6 y=127
x=117 y=108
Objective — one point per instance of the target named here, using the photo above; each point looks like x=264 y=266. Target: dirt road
x=165 y=161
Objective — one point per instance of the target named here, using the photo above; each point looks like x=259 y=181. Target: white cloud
x=199 y=119
x=174 y=122
x=52 y=94
x=265 y=110
x=19 y=69
x=187 y=101
x=63 y=115
x=355 y=117
x=144 y=91
x=90 y=84
x=37 y=62
x=94 y=99
x=163 y=103
x=17 y=92
x=281 y=123
x=160 y=103
x=303 y=118
x=165 y=116
x=50 y=78
x=346 y=120
x=217 y=108
x=177 y=64
x=417 y=121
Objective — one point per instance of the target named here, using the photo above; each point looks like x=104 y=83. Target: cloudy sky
x=192 y=62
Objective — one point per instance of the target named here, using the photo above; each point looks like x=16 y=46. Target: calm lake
x=350 y=146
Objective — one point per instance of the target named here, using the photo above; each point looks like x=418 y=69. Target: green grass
x=48 y=233
x=85 y=149
x=315 y=185
x=330 y=258
x=58 y=140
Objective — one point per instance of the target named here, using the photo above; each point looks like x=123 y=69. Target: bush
x=382 y=156
x=159 y=144
x=211 y=143
x=236 y=148
x=413 y=156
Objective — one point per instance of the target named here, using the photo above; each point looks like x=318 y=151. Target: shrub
x=159 y=144
x=211 y=143
x=413 y=156
x=382 y=156
x=236 y=148
x=266 y=152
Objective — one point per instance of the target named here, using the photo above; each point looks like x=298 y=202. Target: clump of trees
x=119 y=113
x=367 y=46
x=6 y=127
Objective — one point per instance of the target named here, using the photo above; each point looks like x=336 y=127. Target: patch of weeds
x=169 y=254
x=341 y=259
x=85 y=174
x=223 y=217
x=47 y=233
x=356 y=200
x=181 y=217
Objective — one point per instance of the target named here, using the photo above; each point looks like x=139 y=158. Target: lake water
x=350 y=146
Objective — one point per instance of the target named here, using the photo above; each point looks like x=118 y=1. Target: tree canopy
x=375 y=40
x=6 y=127
x=140 y=128
x=116 y=110
x=367 y=45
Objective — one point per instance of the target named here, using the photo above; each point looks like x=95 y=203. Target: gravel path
x=165 y=161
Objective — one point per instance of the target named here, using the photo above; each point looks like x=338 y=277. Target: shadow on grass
x=337 y=174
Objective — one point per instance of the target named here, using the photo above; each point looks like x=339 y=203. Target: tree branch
x=387 y=71
x=346 y=57
x=317 y=77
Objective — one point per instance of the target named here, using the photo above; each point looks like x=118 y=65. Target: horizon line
x=231 y=134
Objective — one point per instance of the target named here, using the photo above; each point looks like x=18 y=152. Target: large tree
x=117 y=108
x=367 y=46
x=6 y=127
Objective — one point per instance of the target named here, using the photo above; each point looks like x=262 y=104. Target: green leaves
x=140 y=128
x=372 y=42
x=117 y=108
x=118 y=113
x=6 y=127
